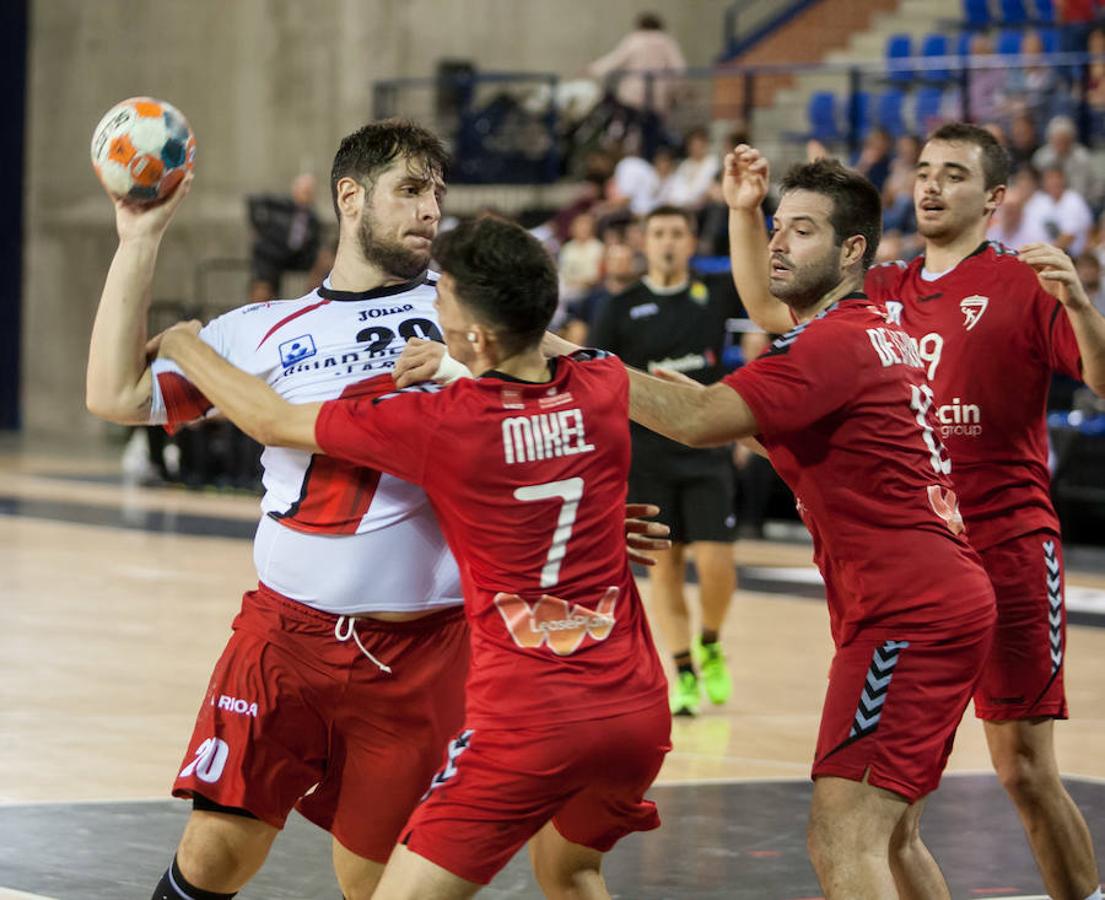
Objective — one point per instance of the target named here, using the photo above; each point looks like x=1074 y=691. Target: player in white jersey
x=346 y=667
x=342 y=683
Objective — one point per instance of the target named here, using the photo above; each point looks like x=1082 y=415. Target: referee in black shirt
x=670 y=320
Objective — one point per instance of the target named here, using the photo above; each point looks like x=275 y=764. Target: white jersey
x=335 y=536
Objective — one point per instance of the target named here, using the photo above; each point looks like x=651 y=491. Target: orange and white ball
x=142 y=148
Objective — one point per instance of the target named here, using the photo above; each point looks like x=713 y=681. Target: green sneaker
x=715 y=674
x=684 y=695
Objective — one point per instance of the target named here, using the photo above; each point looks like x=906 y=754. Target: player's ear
x=995 y=197
x=351 y=194
x=852 y=250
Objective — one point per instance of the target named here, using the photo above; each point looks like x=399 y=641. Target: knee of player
x=558 y=883
x=1026 y=775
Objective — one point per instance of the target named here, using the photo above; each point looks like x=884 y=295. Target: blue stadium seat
x=899 y=46
x=888 y=112
x=976 y=13
x=1045 y=10
x=1012 y=12
x=1049 y=37
x=822 y=116
x=935 y=45
x=963 y=43
x=861 y=113
x=1008 y=43
x=926 y=108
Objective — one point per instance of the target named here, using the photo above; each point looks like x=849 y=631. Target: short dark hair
x=371 y=149
x=669 y=209
x=649 y=21
x=504 y=274
x=857 y=207
x=995 y=158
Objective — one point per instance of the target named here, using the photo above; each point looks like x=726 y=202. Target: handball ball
x=142 y=148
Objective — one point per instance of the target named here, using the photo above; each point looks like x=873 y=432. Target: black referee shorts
x=694 y=493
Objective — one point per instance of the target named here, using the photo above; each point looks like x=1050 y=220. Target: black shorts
x=694 y=493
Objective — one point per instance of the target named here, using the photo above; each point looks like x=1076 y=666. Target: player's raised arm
x=1056 y=272
x=744 y=185
x=118 y=386
x=243 y=398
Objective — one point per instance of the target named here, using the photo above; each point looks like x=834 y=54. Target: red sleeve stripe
x=183 y=401
x=289 y=318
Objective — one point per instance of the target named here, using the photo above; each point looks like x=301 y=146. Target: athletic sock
x=174 y=886
x=683 y=662
x=709 y=636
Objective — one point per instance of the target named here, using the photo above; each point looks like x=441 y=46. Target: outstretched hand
x=419 y=361
x=135 y=221
x=161 y=345
x=744 y=183
x=1057 y=275
x=643 y=538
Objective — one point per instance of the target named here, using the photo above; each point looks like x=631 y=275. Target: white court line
x=7 y=894
x=83 y=802
x=963 y=773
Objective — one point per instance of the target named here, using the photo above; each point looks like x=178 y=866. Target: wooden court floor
x=116 y=601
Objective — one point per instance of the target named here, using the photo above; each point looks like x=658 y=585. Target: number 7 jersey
x=336 y=536
x=529 y=483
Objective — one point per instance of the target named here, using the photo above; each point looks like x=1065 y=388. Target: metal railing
x=512 y=128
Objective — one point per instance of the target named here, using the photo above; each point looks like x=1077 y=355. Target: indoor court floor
x=117 y=600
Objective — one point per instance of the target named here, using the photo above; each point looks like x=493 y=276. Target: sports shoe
x=684 y=695
x=715 y=673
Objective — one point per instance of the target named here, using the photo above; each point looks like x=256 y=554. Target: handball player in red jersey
x=991 y=325
x=354 y=573
x=567 y=719
x=842 y=408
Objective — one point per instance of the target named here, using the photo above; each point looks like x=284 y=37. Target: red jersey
x=990 y=337
x=843 y=410
x=528 y=481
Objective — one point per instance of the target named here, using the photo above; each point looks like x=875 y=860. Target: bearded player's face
x=399 y=218
x=950 y=194
x=805 y=257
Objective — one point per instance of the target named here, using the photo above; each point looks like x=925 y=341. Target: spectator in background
x=986 y=86
x=874 y=159
x=648 y=48
x=1023 y=142
x=1061 y=213
x=1095 y=80
x=689 y=186
x=580 y=260
x=1032 y=87
x=634 y=185
x=664 y=162
x=1062 y=149
x=620 y=270
x=899 y=218
x=1088 y=267
x=287 y=237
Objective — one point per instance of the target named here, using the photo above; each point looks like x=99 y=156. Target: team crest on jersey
x=973 y=307
x=556 y=622
x=297 y=349
x=894 y=312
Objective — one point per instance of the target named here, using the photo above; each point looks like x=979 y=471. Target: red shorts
x=291 y=708
x=1023 y=678
x=499 y=788
x=892 y=708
